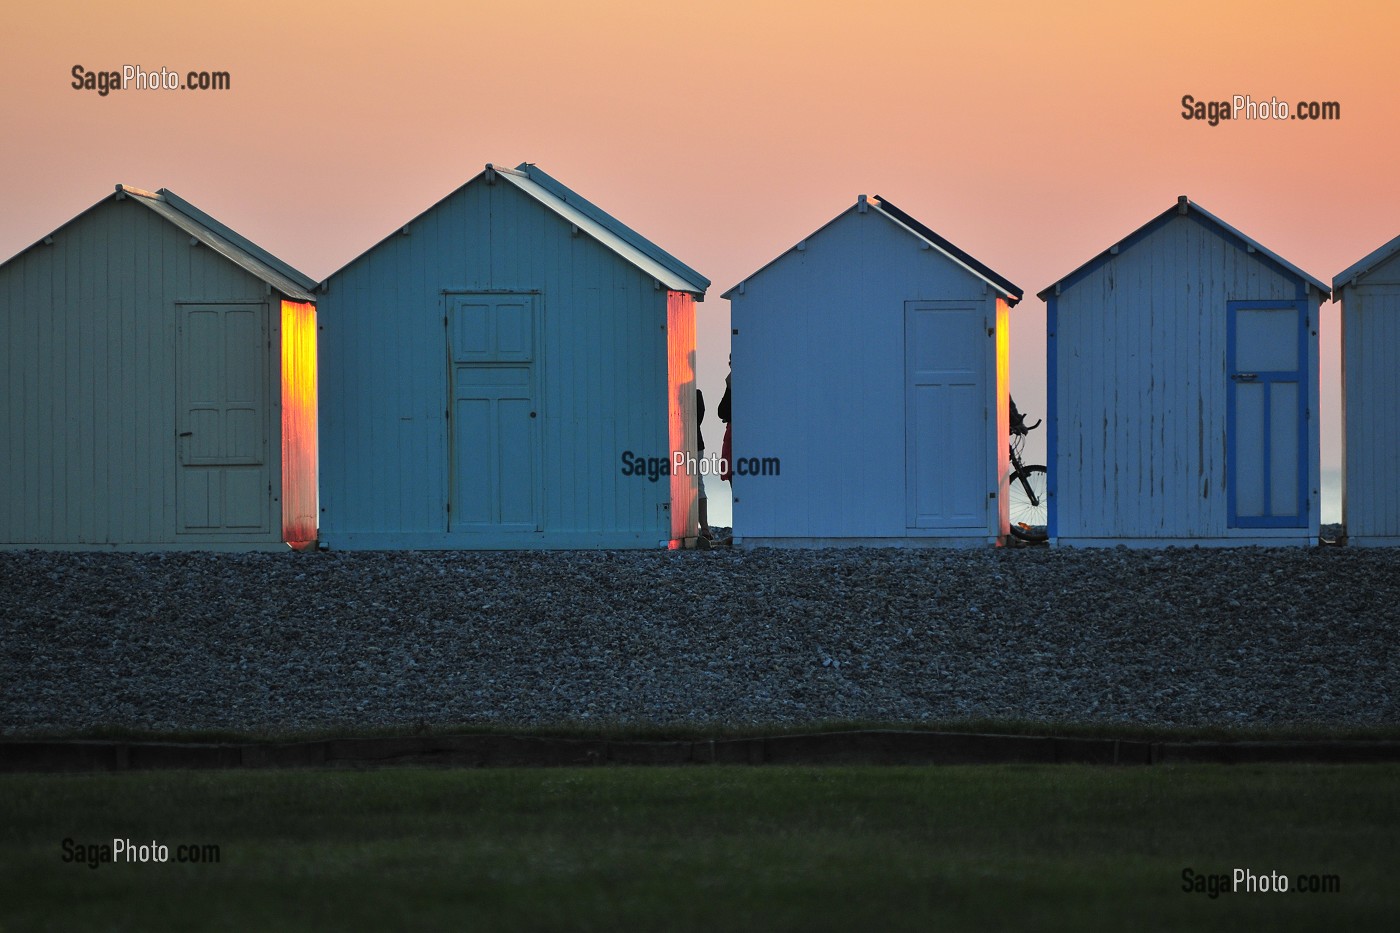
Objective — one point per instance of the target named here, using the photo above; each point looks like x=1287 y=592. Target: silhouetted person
x=727 y=450
x=700 y=441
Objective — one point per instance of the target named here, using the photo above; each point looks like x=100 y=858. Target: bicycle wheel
x=1030 y=510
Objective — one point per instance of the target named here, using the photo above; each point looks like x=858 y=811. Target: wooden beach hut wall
x=870 y=389
x=157 y=385
x=510 y=369
x=1370 y=295
x=1183 y=391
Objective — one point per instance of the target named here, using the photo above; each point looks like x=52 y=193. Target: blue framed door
x=1266 y=364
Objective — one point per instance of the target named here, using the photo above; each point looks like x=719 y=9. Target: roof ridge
x=586 y=207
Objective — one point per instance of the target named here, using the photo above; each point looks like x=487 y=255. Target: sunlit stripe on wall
x=299 y=450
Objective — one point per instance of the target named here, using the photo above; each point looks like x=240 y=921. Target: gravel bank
x=292 y=641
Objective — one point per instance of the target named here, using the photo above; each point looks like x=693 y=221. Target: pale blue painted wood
x=600 y=379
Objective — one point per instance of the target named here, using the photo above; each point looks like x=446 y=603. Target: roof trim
x=1184 y=207
x=1352 y=274
x=223 y=240
x=242 y=252
x=1012 y=292
x=615 y=226
x=1003 y=286
x=586 y=217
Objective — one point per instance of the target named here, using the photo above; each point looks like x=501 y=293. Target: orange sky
x=1032 y=135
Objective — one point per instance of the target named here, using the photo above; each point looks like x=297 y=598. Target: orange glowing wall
x=1001 y=435
x=680 y=394
x=299 y=450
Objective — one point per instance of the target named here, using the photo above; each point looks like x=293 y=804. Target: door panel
x=945 y=414
x=224 y=479
x=1268 y=454
x=496 y=471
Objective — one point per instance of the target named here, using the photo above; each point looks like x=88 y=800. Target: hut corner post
x=680 y=411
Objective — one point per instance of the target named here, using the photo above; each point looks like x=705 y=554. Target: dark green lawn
x=705 y=848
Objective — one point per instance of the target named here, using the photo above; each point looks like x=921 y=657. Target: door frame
x=271 y=460
x=1267 y=379
x=537 y=380
x=978 y=518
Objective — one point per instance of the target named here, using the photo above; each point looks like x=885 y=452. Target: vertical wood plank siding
x=1141 y=388
x=88 y=377
x=299 y=449
x=681 y=421
x=819 y=382
x=1371 y=406
x=601 y=377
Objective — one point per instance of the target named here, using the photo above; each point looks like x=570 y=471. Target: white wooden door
x=224 y=482
x=945 y=415
x=1266 y=415
x=496 y=484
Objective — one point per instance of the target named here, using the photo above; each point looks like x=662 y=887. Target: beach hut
x=157 y=385
x=512 y=368
x=870 y=388
x=1183 y=392
x=1370 y=295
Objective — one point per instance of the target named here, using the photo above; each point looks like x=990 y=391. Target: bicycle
x=1028 y=487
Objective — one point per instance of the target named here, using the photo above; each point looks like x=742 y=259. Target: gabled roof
x=587 y=218
x=1002 y=285
x=224 y=241
x=209 y=232
x=1354 y=273
x=1184 y=207
x=528 y=177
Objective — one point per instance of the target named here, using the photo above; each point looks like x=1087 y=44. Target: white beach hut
x=1370 y=295
x=1183 y=391
x=157 y=385
x=870 y=381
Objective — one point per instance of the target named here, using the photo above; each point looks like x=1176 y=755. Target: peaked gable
x=239 y=250
x=903 y=221
x=1354 y=273
x=1184 y=207
x=584 y=216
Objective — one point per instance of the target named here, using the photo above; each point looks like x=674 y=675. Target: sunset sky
x=1032 y=135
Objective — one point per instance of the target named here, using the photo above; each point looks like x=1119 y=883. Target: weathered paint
x=90 y=385
x=826 y=367
x=1140 y=390
x=1370 y=298
x=299 y=468
x=599 y=367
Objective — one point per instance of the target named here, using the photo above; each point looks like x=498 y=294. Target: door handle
x=1245 y=377
x=186 y=433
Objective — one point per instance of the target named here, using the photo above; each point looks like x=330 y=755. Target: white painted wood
x=1371 y=405
x=945 y=403
x=90 y=400
x=825 y=383
x=1142 y=390
x=224 y=477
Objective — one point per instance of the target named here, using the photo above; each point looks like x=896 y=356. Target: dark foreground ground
x=768 y=849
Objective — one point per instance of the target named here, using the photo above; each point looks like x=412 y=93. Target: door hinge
x=444 y=320
x=447 y=414
x=449 y=508
x=1307 y=414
